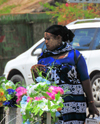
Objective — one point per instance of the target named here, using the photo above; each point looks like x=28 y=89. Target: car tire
x=17 y=78
x=96 y=89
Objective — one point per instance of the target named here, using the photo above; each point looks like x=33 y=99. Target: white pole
x=48 y=118
x=12 y=115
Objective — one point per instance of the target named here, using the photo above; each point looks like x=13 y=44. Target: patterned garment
x=75 y=105
x=64 y=74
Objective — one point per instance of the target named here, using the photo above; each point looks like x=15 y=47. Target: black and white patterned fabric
x=66 y=47
x=62 y=49
x=70 y=122
x=75 y=105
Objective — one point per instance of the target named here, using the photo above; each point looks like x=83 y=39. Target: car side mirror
x=37 y=51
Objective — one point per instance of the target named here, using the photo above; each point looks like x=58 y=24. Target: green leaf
x=49 y=104
x=45 y=95
x=18 y=105
x=37 y=110
x=57 y=96
x=41 y=112
x=53 y=115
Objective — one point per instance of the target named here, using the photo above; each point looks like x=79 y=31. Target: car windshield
x=83 y=38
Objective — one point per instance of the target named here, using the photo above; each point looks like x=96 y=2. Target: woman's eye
x=47 y=38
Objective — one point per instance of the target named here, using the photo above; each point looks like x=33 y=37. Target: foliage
x=2 y=1
x=95 y=8
x=2 y=97
x=8 y=90
x=7 y=9
x=65 y=13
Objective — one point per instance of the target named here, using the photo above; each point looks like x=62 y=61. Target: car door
x=94 y=68
x=94 y=62
x=83 y=42
x=32 y=60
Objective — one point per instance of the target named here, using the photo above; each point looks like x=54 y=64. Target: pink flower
x=21 y=91
x=67 y=4
x=39 y=98
x=56 y=89
x=52 y=88
x=18 y=100
x=59 y=89
x=29 y=98
x=51 y=95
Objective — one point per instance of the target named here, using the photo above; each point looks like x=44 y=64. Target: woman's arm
x=84 y=77
x=88 y=91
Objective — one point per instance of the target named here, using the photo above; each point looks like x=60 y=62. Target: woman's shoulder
x=74 y=51
x=40 y=56
x=75 y=54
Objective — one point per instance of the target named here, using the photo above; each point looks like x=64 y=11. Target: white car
x=86 y=40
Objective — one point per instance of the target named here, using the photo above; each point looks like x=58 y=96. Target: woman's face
x=51 y=41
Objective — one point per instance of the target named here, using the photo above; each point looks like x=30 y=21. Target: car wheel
x=96 y=89
x=17 y=78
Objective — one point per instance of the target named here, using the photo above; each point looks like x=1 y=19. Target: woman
x=61 y=57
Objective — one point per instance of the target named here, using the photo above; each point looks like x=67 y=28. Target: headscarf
x=63 y=31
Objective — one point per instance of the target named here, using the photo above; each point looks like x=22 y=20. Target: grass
x=3 y=1
x=7 y=9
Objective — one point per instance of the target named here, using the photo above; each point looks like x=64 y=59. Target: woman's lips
x=47 y=45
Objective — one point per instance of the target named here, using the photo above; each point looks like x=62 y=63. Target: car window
x=83 y=38
x=42 y=46
x=97 y=40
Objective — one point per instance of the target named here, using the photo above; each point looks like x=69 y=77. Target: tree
x=64 y=13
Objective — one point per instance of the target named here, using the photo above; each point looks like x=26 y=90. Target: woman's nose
x=46 y=41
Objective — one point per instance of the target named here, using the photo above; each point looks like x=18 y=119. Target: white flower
x=43 y=80
x=60 y=100
x=44 y=105
x=31 y=88
x=23 y=108
x=7 y=85
x=10 y=83
x=3 y=86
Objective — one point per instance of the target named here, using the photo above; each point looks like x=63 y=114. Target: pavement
x=13 y=116
x=16 y=118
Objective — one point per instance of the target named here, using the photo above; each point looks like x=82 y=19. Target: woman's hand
x=88 y=91
x=35 y=69
x=39 y=67
x=92 y=110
